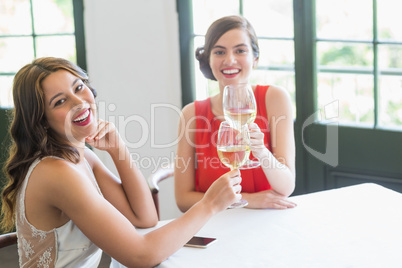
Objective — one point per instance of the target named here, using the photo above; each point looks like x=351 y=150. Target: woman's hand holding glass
x=233 y=147
x=224 y=191
x=240 y=109
x=257 y=145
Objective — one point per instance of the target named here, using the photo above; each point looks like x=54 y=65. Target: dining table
x=353 y=226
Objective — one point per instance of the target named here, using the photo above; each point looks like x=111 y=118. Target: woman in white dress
x=66 y=205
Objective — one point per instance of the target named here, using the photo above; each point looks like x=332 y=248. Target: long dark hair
x=215 y=31
x=30 y=135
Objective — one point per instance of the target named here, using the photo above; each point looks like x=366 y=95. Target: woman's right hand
x=105 y=137
x=224 y=191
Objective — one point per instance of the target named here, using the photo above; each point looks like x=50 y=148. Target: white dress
x=65 y=246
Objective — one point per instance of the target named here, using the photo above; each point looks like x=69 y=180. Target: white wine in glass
x=234 y=156
x=233 y=147
x=241 y=116
x=239 y=105
x=240 y=109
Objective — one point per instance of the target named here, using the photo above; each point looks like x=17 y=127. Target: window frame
x=374 y=70
x=306 y=67
x=78 y=13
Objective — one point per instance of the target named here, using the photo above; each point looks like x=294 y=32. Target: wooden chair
x=161 y=174
x=8 y=239
x=8 y=250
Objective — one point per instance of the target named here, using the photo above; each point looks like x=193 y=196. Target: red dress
x=208 y=166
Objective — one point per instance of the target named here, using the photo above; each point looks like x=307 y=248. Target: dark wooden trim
x=78 y=7
x=184 y=9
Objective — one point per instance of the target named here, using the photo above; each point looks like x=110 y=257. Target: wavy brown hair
x=31 y=138
x=215 y=31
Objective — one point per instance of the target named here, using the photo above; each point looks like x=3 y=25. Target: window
x=354 y=48
x=359 y=49
x=31 y=29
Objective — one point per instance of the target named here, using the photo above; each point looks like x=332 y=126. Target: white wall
x=133 y=62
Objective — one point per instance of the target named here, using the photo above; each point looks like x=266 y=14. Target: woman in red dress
x=230 y=53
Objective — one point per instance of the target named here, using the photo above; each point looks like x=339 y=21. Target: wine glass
x=240 y=109
x=233 y=147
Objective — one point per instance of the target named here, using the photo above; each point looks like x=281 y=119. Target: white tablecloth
x=357 y=226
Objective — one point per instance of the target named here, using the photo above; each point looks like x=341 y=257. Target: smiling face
x=69 y=106
x=232 y=58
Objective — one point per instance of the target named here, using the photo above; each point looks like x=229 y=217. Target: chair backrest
x=8 y=239
x=161 y=174
x=9 y=250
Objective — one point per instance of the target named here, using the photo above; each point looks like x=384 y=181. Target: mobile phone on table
x=200 y=242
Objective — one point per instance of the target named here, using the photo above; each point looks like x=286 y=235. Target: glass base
x=239 y=204
x=250 y=164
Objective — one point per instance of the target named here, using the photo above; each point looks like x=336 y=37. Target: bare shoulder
x=187 y=123
x=187 y=118
x=278 y=101
x=55 y=177
x=60 y=178
x=64 y=183
x=188 y=111
x=50 y=168
x=53 y=165
x=277 y=93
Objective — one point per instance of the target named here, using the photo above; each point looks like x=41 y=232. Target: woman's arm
x=278 y=165
x=75 y=195
x=184 y=174
x=130 y=194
